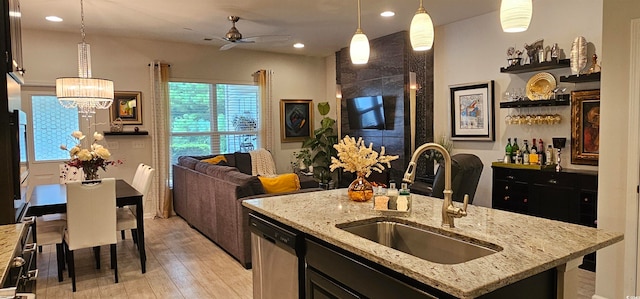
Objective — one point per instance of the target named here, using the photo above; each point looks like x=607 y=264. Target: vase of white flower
x=354 y=156
x=88 y=159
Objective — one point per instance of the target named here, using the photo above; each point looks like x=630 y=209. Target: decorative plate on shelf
x=541 y=86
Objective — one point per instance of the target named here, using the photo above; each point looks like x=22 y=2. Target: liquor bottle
x=507 y=151
x=518 y=157
x=525 y=153
x=549 y=155
x=515 y=148
x=533 y=156
x=541 y=156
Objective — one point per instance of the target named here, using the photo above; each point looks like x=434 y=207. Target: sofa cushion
x=250 y=185
x=243 y=162
x=219 y=160
x=231 y=159
x=219 y=171
x=282 y=183
x=188 y=162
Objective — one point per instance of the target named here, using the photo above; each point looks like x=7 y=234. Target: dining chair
x=137 y=178
x=91 y=221
x=52 y=235
x=54 y=222
x=126 y=216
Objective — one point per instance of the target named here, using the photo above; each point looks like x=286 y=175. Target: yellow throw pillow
x=216 y=160
x=282 y=183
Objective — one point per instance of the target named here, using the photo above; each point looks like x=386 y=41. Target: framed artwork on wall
x=296 y=120
x=127 y=105
x=472 y=111
x=585 y=127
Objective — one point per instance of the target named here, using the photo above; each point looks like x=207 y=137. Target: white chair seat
x=49 y=235
x=51 y=220
x=125 y=219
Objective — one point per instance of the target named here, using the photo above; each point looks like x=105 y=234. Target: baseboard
x=598 y=297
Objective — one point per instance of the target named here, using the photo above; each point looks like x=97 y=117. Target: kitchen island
x=10 y=235
x=528 y=246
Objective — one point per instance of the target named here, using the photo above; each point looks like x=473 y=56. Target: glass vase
x=90 y=173
x=360 y=189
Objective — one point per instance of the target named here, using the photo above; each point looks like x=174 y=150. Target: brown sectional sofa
x=209 y=197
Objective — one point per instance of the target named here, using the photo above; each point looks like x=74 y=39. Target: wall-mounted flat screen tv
x=366 y=113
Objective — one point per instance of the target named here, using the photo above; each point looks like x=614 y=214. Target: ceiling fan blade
x=267 y=38
x=227 y=46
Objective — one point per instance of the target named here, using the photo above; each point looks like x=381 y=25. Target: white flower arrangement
x=89 y=159
x=354 y=156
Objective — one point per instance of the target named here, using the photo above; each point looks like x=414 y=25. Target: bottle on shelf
x=533 y=155
x=549 y=155
x=518 y=157
x=514 y=149
x=507 y=151
x=541 y=155
x=525 y=153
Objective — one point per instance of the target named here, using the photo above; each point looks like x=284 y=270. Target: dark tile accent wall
x=387 y=74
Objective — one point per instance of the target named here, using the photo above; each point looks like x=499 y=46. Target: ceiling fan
x=234 y=37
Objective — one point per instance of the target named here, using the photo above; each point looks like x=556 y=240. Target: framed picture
x=472 y=107
x=127 y=105
x=585 y=127
x=296 y=120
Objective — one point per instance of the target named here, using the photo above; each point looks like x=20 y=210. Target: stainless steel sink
x=420 y=242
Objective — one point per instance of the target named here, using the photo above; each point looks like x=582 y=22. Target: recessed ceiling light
x=387 y=14
x=53 y=19
x=298 y=45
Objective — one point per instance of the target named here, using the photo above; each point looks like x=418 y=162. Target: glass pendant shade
x=421 y=30
x=359 y=48
x=515 y=15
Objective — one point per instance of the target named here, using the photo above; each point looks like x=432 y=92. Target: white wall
x=473 y=50
x=615 y=273
x=48 y=55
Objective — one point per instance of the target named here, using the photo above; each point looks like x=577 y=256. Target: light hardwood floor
x=181 y=263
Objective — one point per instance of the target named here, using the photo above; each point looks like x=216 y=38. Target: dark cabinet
x=569 y=196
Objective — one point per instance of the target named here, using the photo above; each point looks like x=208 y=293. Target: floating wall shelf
x=529 y=103
x=127 y=133
x=595 y=77
x=548 y=65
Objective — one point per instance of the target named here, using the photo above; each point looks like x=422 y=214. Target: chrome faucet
x=449 y=211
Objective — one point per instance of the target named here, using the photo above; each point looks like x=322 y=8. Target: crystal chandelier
x=359 y=47
x=421 y=30
x=83 y=92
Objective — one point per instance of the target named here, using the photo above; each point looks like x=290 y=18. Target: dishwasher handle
x=273 y=233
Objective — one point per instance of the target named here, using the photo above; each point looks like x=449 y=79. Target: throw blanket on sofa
x=262 y=163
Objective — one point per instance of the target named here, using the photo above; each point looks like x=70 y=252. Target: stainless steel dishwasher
x=277 y=264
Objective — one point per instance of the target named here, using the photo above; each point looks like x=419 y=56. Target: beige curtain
x=266 y=137
x=159 y=77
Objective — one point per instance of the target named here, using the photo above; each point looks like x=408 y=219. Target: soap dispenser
x=404 y=198
x=392 y=193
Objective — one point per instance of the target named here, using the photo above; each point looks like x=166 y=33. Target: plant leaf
x=324 y=108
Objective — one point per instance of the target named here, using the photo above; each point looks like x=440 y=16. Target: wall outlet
x=138 y=144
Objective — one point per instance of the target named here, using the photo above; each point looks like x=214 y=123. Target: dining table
x=52 y=199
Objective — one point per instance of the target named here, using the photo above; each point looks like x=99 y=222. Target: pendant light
x=84 y=92
x=359 y=48
x=515 y=15
x=421 y=30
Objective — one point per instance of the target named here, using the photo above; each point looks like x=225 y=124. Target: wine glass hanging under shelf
x=533 y=119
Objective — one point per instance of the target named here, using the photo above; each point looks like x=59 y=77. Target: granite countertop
x=9 y=240
x=530 y=245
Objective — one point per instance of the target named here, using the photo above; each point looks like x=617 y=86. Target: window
x=212 y=118
x=52 y=127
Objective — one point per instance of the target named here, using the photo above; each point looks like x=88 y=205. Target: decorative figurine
x=578 y=55
x=555 y=52
x=595 y=67
x=533 y=51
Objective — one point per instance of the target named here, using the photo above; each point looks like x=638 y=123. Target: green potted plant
x=320 y=145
